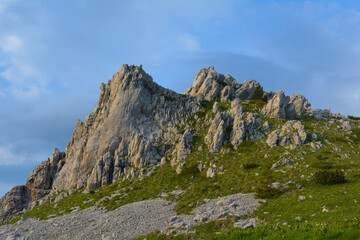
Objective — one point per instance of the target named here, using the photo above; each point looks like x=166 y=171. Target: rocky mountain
x=138 y=126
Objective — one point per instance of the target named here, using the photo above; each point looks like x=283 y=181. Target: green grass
x=218 y=230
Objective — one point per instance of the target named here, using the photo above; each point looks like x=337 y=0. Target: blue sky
x=54 y=55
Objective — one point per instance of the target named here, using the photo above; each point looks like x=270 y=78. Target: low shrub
x=264 y=192
x=258 y=93
x=353 y=117
x=250 y=165
x=327 y=177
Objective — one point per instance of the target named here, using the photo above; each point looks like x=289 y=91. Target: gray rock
x=276 y=107
x=128 y=221
x=209 y=85
x=292 y=132
x=216 y=136
x=62 y=195
x=283 y=107
x=210 y=173
x=247 y=90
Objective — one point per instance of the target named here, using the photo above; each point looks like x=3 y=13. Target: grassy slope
x=340 y=199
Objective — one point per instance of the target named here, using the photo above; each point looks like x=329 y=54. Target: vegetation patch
x=326 y=177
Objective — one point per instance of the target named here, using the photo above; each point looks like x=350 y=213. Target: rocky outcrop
x=247 y=129
x=183 y=148
x=234 y=126
x=37 y=186
x=324 y=114
x=127 y=128
x=41 y=178
x=247 y=90
x=284 y=107
x=292 y=132
x=13 y=202
x=210 y=85
x=217 y=133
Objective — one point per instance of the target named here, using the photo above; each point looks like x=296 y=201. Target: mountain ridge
x=136 y=123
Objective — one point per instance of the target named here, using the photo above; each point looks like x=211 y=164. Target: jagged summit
x=137 y=123
x=211 y=85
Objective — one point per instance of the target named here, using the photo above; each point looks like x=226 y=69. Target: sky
x=54 y=55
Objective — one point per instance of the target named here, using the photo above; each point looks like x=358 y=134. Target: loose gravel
x=128 y=221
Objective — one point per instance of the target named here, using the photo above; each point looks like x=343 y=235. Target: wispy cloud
x=189 y=42
x=24 y=80
x=11 y=43
x=8 y=157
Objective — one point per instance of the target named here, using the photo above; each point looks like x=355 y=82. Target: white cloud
x=29 y=92
x=11 y=43
x=7 y=157
x=25 y=81
x=189 y=42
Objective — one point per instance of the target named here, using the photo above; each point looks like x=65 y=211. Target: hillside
x=219 y=139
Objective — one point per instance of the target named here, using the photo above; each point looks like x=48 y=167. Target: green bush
x=264 y=192
x=259 y=92
x=353 y=117
x=250 y=165
x=326 y=177
x=264 y=189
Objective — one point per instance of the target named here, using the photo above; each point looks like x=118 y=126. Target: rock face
x=211 y=85
x=41 y=178
x=281 y=106
x=292 y=132
x=247 y=90
x=38 y=185
x=234 y=127
x=216 y=136
x=126 y=128
x=13 y=202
